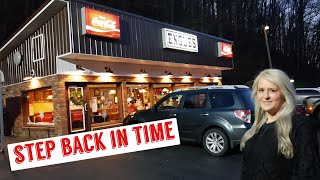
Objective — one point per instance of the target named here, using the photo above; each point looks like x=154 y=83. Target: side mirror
x=154 y=108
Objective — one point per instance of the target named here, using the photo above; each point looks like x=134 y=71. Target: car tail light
x=244 y=115
x=309 y=109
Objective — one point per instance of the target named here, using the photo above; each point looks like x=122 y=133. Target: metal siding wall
x=56 y=42
x=141 y=38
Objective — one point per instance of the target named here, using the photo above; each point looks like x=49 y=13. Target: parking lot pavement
x=182 y=162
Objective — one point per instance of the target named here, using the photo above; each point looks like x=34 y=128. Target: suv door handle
x=204 y=114
x=173 y=115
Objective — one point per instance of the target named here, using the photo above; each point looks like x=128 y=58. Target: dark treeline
x=294 y=33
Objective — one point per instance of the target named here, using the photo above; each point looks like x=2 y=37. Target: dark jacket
x=262 y=161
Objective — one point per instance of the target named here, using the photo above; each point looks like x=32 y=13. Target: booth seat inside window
x=38 y=107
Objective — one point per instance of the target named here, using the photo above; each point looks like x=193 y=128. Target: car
x=215 y=116
x=312 y=106
x=301 y=94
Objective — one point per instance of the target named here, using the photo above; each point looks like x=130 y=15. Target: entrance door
x=77 y=109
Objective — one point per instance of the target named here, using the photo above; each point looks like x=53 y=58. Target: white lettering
x=103 y=23
x=179 y=40
x=227 y=50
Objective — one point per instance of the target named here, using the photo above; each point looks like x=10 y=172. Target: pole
x=1 y=114
x=267 y=45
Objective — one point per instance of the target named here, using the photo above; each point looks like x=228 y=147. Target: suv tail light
x=244 y=115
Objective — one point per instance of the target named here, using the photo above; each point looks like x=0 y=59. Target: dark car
x=216 y=116
x=311 y=106
x=301 y=95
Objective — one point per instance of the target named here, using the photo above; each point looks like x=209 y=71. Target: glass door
x=77 y=108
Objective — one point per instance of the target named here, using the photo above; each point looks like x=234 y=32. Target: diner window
x=171 y=102
x=160 y=90
x=138 y=97
x=104 y=104
x=38 y=107
x=181 y=86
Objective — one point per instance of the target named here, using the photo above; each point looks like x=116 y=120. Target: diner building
x=77 y=66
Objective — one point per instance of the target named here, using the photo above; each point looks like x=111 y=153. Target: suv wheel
x=215 y=142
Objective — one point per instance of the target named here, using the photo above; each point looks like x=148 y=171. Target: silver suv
x=215 y=116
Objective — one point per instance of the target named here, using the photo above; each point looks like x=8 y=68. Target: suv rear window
x=245 y=95
x=221 y=99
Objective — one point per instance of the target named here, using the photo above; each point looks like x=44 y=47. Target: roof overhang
x=31 y=25
x=74 y=57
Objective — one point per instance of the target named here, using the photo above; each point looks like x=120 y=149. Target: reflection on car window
x=195 y=101
x=171 y=102
x=221 y=99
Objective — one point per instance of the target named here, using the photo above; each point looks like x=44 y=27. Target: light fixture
x=142 y=91
x=292 y=80
x=218 y=76
x=112 y=91
x=79 y=68
x=168 y=73
x=266 y=27
x=143 y=72
x=29 y=76
x=165 y=90
x=49 y=97
x=108 y=70
x=188 y=74
x=207 y=75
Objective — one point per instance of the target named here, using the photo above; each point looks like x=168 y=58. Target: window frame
x=26 y=110
x=39 y=50
x=189 y=94
x=234 y=97
x=167 y=97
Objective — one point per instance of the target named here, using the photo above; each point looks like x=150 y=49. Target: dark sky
x=13 y=14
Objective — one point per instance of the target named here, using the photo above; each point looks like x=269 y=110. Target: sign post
x=1 y=114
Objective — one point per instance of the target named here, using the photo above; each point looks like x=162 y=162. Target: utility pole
x=265 y=28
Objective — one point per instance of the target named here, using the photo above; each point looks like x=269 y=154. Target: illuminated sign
x=179 y=40
x=100 y=23
x=225 y=50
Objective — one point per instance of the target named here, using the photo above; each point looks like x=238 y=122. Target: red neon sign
x=225 y=50
x=99 y=23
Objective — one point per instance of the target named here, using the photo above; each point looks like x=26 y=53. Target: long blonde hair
x=283 y=123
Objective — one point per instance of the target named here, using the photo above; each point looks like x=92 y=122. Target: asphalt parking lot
x=181 y=162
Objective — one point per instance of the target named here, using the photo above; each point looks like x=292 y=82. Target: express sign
x=225 y=50
x=100 y=24
x=179 y=40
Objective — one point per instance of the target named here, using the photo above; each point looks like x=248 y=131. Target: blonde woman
x=280 y=145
